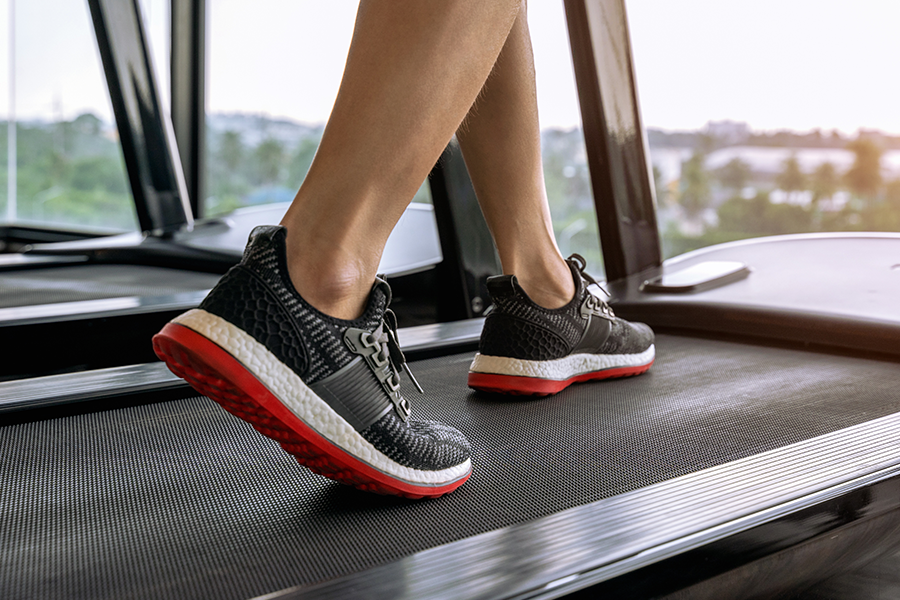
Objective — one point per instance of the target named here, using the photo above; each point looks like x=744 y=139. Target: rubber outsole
x=215 y=373
x=532 y=386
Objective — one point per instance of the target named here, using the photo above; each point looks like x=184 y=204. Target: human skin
x=417 y=72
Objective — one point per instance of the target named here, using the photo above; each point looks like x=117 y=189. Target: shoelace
x=392 y=346
x=592 y=300
x=387 y=360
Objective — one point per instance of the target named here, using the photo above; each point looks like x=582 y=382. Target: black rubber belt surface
x=180 y=499
x=95 y=282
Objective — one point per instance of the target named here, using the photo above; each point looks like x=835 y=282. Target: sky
x=776 y=64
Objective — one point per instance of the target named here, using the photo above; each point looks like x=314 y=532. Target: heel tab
x=266 y=233
x=500 y=286
x=263 y=240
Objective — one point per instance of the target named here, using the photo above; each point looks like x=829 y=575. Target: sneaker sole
x=542 y=378
x=218 y=374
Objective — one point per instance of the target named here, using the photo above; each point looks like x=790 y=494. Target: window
x=564 y=155
x=62 y=164
x=274 y=72
x=769 y=117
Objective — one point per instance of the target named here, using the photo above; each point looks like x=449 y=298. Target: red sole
x=532 y=386
x=215 y=373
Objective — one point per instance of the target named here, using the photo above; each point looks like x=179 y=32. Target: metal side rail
x=586 y=545
x=54 y=390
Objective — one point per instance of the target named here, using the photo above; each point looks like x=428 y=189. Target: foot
x=528 y=349
x=326 y=389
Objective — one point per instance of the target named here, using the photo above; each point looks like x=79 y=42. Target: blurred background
x=762 y=118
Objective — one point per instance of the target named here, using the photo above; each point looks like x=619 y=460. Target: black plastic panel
x=180 y=499
x=94 y=282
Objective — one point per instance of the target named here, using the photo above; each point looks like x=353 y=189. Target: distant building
x=729 y=132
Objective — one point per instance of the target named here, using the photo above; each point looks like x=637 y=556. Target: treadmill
x=759 y=456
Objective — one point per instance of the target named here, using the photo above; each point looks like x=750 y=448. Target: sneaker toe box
x=422 y=445
x=628 y=338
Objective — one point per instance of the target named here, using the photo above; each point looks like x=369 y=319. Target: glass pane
x=156 y=16
x=565 y=158
x=274 y=72
x=59 y=137
x=769 y=117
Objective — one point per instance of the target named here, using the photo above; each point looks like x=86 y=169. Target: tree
x=658 y=185
x=892 y=196
x=302 y=160
x=694 y=185
x=734 y=175
x=231 y=150
x=791 y=179
x=824 y=182
x=758 y=216
x=88 y=124
x=864 y=177
x=269 y=157
x=743 y=215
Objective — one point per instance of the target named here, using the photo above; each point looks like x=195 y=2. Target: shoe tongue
x=580 y=282
x=381 y=287
x=379 y=300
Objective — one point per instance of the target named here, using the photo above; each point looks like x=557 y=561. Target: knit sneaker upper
x=258 y=297
x=345 y=362
x=517 y=327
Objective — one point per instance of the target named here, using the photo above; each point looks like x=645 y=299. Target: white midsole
x=559 y=369
x=296 y=396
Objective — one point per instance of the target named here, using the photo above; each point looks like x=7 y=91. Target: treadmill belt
x=96 y=282
x=180 y=499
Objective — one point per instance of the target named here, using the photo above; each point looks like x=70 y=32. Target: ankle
x=334 y=285
x=548 y=285
x=341 y=296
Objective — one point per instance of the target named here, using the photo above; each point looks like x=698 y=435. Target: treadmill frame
x=624 y=197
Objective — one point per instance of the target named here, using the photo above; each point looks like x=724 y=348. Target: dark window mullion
x=614 y=136
x=188 y=69
x=148 y=143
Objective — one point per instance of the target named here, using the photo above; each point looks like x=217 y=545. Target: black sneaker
x=528 y=349
x=326 y=389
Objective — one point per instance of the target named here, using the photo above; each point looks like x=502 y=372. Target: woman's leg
x=500 y=140
x=413 y=71
x=526 y=349
x=327 y=389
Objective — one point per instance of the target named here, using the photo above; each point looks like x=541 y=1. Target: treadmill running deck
x=181 y=499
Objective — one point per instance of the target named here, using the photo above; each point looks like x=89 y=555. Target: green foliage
x=231 y=150
x=70 y=174
x=791 y=179
x=824 y=182
x=301 y=161
x=658 y=185
x=892 y=195
x=864 y=177
x=734 y=175
x=759 y=216
x=570 y=196
x=240 y=174
x=269 y=158
x=694 y=185
x=674 y=242
x=97 y=173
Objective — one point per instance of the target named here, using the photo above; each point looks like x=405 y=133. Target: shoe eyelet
x=368 y=340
